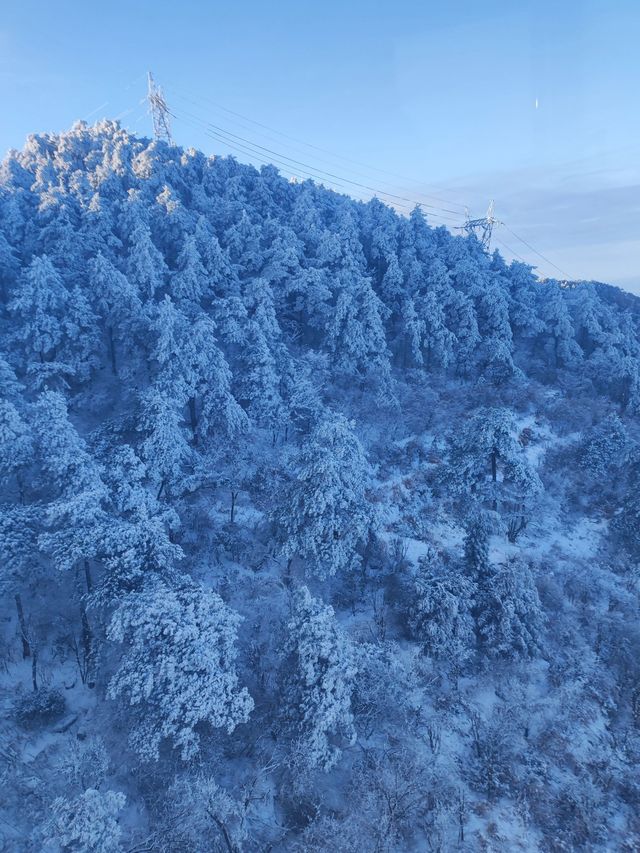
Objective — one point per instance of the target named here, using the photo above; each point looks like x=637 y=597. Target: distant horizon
x=509 y=256
x=527 y=105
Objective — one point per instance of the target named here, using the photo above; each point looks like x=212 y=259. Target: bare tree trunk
x=462 y=815
x=234 y=498
x=193 y=418
x=20 y=485
x=26 y=647
x=34 y=670
x=231 y=847
x=494 y=476
x=87 y=576
x=86 y=632
x=112 y=352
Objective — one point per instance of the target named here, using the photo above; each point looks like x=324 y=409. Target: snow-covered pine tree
x=326 y=517
x=509 y=613
x=146 y=268
x=165 y=449
x=189 y=283
x=476 y=549
x=560 y=342
x=437 y=340
x=221 y=280
x=487 y=463
x=605 y=447
x=117 y=304
x=206 y=380
x=39 y=305
x=85 y=824
x=626 y=524
x=16 y=446
x=320 y=681
x=178 y=665
x=440 y=612
x=77 y=516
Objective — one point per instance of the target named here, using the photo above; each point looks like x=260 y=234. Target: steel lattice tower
x=482 y=228
x=159 y=111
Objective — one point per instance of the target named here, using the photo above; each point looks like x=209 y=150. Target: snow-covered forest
x=320 y=526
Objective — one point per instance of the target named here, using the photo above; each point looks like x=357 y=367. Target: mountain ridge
x=319 y=526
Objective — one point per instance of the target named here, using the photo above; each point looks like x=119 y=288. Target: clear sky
x=534 y=104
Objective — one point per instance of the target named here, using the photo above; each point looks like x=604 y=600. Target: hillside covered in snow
x=319 y=526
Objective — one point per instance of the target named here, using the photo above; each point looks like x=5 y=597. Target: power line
x=529 y=246
x=236 y=142
x=249 y=148
x=378 y=191
x=509 y=249
x=236 y=147
x=243 y=140
x=244 y=118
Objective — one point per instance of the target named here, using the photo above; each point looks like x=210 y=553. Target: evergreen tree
x=440 y=617
x=392 y=287
x=9 y=267
x=205 y=380
x=10 y=388
x=82 y=336
x=169 y=326
x=116 y=303
x=59 y=242
x=16 y=445
x=496 y=351
x=242 y=241
x=626 y=523
x=40 y=306
x=164 y=449
x=413 y=333
x=20 y=562
x=87 y=823
x=261 y=309
x=146 y=268
x=230 y=317
x=77 y=517
x=326 y=517
x=476 y=550
x=178 y=665
x=510 y=616
x=137 y=544
x=189 y=283
x=604 y=447
x=523 y=309
x=461 y=318
x=355 y=336
x=194 y=372
x=437 y=340
x=487 y=463
x=593 y=322
x=259 y=383
x=282 y=258
x=221 y=280
x=320 y=682
x=561 y=346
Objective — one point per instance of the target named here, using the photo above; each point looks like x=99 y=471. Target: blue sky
x=534 y=104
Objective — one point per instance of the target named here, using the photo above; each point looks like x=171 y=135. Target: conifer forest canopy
x=319 y=526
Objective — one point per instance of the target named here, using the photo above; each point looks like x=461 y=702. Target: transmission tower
x=482 y=228
x=159 y=111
